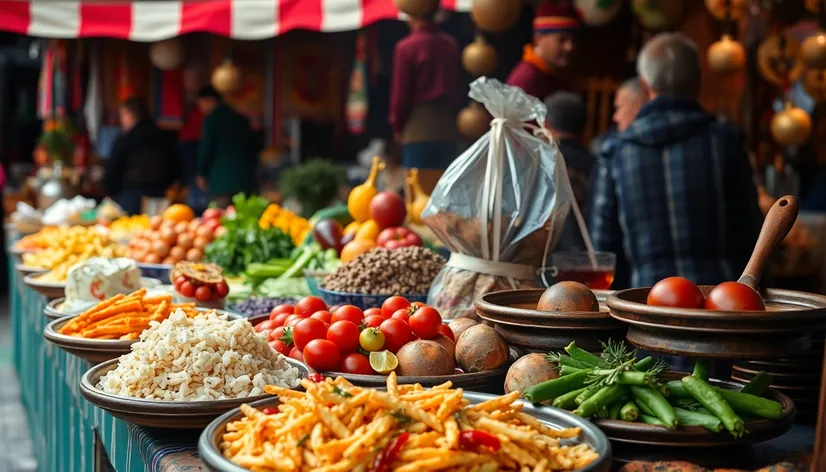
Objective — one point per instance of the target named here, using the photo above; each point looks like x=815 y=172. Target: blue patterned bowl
x=314 y=278
x=361 y=300
x=155 y=271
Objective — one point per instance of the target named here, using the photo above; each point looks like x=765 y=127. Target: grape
x=258 y=305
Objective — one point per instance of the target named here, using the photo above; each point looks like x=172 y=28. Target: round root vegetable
x=481 y=348
x=459 y=325
x=528 y=371
x=425 y=358
x=446 y=343
x=568 y=297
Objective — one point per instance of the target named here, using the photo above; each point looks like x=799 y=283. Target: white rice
x=203 y=358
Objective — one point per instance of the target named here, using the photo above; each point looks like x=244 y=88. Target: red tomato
x=309 y=305
x=178 y=282
x=734 y=296
x=291 y=320
x=676 y=292
x=396 y=334
x=392 y=304
x=187 y=289
x=296 y=354
x=288 y=309
x=425 y=322
x=372 y=312
x=321 y=354
x=324 y=316
x=373 y=321
x=280 y=318
x=345 y=334
x=349 y=313
x=203 y=293
x=266 y=324
x=221 y=289
x=280 y=347
x=308 y=329
x=418 y=304
x=445 y=329
x=402 y=314
x=356 y=363
x=276 y=333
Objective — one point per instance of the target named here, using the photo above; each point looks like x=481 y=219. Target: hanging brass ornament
x=598 y=12
x=495 y=16
x=226 y=78
x=718 y=8
x=792 y=126
x=167 y=54
x=416 y=8
x=479 y=57
x=775 y=64
x=474 y=121
x=814 y=83
x=813 y=51
x=726 y=56
x=657 y=14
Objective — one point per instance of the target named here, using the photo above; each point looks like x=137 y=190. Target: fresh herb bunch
x=314 y=184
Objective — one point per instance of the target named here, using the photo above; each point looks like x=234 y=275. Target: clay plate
x=781 y=331
x=162 y=414
x=695 y=436
x=553 y=417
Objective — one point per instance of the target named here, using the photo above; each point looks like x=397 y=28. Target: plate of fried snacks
x=335 y=426
x=108 y=329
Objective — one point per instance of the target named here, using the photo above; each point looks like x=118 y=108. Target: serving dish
x=50 y=290
x=155 y=271
x=25 y=270
x=552 y=417
x=363 y=301
x=163 y=414
x=17 y=252
x=53 y=309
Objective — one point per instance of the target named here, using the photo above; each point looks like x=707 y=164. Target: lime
x=383 y=362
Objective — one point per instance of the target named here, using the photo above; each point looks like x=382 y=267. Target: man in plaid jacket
x=674 y=191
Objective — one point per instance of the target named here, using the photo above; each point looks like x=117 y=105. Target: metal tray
x=50 y=290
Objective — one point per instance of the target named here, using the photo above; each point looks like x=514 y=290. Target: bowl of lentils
x=378 y=274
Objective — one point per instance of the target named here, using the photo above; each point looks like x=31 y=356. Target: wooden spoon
x=778 y=223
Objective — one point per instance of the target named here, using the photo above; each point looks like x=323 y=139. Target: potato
x=481 y=348
x=425 y=358
x=446 y=343
x=528 y=371
x=567 y=297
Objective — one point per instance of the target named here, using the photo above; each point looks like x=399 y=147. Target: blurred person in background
x=227 y=160
x=144 y=161
x=673 y=192
x=425 y=94
x=188 y=140
x=627 y=103
x=540 y=73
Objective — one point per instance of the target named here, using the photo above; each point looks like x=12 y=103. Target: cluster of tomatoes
x=678 y=292
x=202 y=292
x=340 y=339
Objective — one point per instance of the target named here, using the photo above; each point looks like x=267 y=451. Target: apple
x=212 y=214
x=387 y=210
x=394 y=238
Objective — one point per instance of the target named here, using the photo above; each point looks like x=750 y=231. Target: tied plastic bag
x=501 y=205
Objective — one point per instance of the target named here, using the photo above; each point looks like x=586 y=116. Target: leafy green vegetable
x=295 y=287
x=315 y=184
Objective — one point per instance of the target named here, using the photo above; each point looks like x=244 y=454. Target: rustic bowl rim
x=348 y=294
x=482 y=303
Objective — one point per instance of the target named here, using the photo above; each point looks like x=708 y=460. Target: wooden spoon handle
x=777 y=225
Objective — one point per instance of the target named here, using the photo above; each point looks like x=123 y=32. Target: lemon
x=383 y=362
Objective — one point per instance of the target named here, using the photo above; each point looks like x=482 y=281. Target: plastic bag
x=501 y=205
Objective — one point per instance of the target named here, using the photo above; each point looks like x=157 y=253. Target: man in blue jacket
x=674 y=191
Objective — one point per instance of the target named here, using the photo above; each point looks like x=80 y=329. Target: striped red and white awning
x=148 y=20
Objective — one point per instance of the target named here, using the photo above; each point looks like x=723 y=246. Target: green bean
x=664 y=390
x=644 y=364
x=551 y=389
x=702 y=370
x=581 y=354
x=758 y=384
x=567 y=370
x=644 y=408
x=711 y=399
x=590 y=391
x=568 y=401
x=692 y=418
x=651 y=420
x=604 y=397
x=628 y=377
x=614 y=410
x=629 y=412
x=657 y=403
x=751 y=404
x=571 y=362
x=677 y=389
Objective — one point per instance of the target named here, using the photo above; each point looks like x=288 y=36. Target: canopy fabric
x=146 y=20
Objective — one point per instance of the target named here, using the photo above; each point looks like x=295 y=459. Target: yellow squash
x=358 y=203
x=419 y=198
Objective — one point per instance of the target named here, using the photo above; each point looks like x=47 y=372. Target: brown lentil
x=379 y=271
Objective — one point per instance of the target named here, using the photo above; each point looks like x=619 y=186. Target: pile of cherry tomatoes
x=340 y=339
x=201 y=291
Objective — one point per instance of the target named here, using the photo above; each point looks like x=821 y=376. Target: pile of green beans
x=634 y=396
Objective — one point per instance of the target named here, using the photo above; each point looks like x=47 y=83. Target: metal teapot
x=54 y=184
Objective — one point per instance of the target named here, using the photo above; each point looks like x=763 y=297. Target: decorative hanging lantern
x=474 y=121
x=657 y=14
x=814 y=83
x=495 y=16
x=226 y=78
x=167 y=54
x=813 y=51
x=778 y=60
x=479 y=57
x=718 y=8
x=792 y=126
x=416 y=8
x=597 y=12
x=726 y=56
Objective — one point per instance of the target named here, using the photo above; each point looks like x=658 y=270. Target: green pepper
x=711 y=399
x=647 y=419
x=692 y=418
x=614 y=410
x=586 y=394
x=758 y=384
x=568 y=400
x=629 y=412
x=581 y=355
x=657 y=404
x=702 y=370
x=751 y=404
x=550 y=389
x=604 y=397
x=566 y=370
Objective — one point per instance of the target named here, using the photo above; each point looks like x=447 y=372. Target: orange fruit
x=178 y=212
x=355 y=248
x=368 y=231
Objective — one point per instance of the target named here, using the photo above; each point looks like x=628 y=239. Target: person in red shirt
x=425 y=95
x=540 y=72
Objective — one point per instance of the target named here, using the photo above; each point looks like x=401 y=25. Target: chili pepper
x=387 y=455
x=315 y=377
x=550 y=389
x=269 y=411
x=567 y=370
x=581 y=354
x=657 y=403
x=702 y=370
x=604 y=397
x=758 y=384
x=711 y=399
x=472 y=440
x=568 y=400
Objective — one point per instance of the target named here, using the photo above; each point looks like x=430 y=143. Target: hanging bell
x=479 y=57
x=474 y=121
x=718 y=8
x=726 y=56
x=813 y=51
x=167 y=54
x=417 y=8
x=226 y=78
x=495 y=16
x=792 y=126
